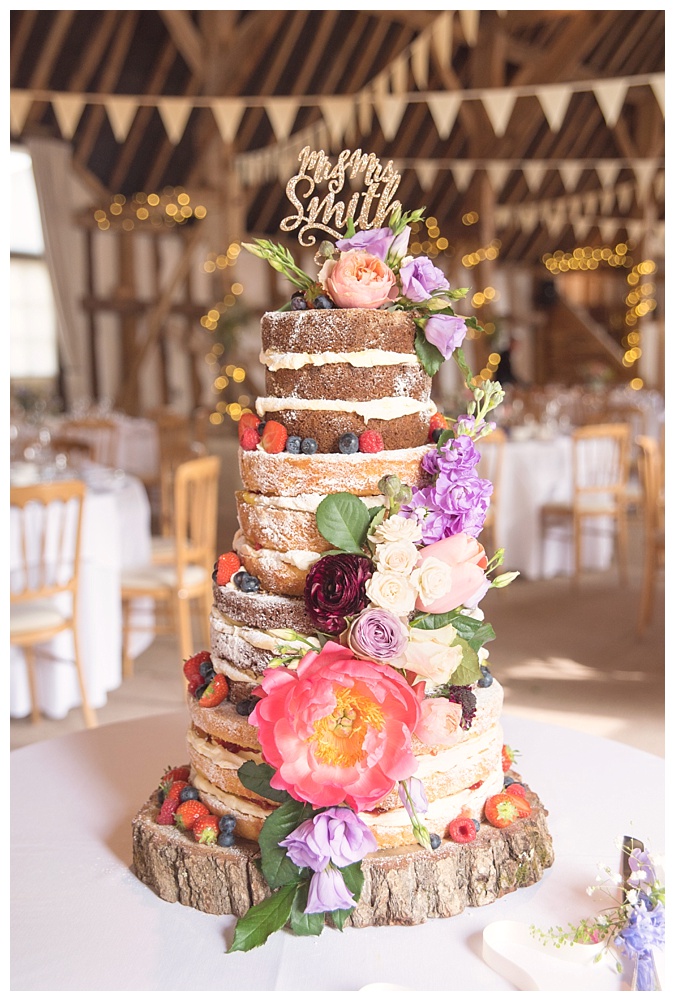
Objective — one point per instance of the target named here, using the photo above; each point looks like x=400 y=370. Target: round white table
x=81 y=920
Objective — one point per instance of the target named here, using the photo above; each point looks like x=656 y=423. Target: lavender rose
x=336 y=835
x=445 y=332
x=335 y=588
x=420 y=278
x=377 y=635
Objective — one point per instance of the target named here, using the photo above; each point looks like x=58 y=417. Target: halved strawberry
x=215 y=692
x=508 y=757
x=274 y=437
x=501 y=809
x=247 y=420
x=522 y=806
x=180 y=774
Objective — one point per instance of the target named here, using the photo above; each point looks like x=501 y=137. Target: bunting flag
x=121 y=112
x=175 y=112
x=365 y=113
x=607 y=229
x=390 y=110
x=624 y=197
x=658 y=85
x=570 y=173
x=610 y=95
x=499 y=104
x=606 y=201
x=426 y=171
x=228 y=113
x=498 y=172
x=20 y=103
x=528 y=216
x=469 y=20
x=636 y=230
x=338 y=114
x=462 y=174
x=644 y=175
x=444 y=108
x=441 y=35
x=68 y=109
x=419 y=61
x=607 y=173
x=554 y=101
x=399 y=75
x=534 y=175
x=281 y=114
x=581 y=225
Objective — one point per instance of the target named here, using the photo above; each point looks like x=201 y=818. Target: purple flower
x=373 y=241
x=328 y=892
x=420 y=278
x=335 y=836
x=335 y=587
x=470 y=426
x=445 y=332
x=377 y=635
x=646 y=930
x=412 y=795
x=641 y=867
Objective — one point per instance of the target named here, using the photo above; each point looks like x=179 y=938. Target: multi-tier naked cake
x=345 y=726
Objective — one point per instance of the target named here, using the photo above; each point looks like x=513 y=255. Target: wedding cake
x=345 y=725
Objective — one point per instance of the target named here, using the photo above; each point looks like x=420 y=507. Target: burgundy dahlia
x=335 y=588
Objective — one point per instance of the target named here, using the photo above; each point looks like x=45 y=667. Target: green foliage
x=263 y=920
x=344 y=520
x=256 y=777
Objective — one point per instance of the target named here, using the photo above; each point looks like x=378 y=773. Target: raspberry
x=462 y=830
x=228 y=564
x=206 y=830
x=249 y=439
x=188 y=812
x=370 y=441
x=168 y=810
x=274 y=437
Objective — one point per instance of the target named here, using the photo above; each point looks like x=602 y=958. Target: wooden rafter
x=187 y=39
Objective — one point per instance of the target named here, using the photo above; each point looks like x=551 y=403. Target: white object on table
x=115 y=534
x=82 y=921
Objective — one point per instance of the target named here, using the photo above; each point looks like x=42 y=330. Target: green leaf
x=350 y=229
x=475 y=633
x=256 y=777
x=261 y=920
x=435 y=621
x=353 y=877
x=276 y=866
x=344 y=520
x=430 y=357
x=468 y=670
x=301 y=923
x=446 y=435
x=339 y=917
x=463 y=365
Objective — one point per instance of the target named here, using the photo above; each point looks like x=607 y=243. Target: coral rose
x=338 y=729
x=359 y=280
x=467 y=582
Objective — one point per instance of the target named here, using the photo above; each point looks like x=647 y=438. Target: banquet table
x=116 y=534
x=82 y=921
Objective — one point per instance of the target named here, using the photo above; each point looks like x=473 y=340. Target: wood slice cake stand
x=402 y=886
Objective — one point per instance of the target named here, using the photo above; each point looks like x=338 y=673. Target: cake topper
x=380 y=184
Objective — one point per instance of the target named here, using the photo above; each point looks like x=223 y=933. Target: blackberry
x=293 y=443
x=189 y=792
x=226 y=839
x=463 y=695
x=298 y=301
x=435 y=841
x=323 y=302
x=349 y=443
x=309 y=446
x=246 y=706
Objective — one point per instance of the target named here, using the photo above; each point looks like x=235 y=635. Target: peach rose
x=430 y=654
x=359 y=280
x=339 y=729
x=439 y=723
x=467 y=582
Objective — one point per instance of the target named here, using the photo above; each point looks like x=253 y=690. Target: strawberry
x=274 y=437
x=502 y=809
x=437 y=421
x=247 y=420
x=193 y=663
x=516 y=789
x=371 y=441
x=508 y=757
x=180 y=774
x=188 y=812
x=228 y=564
x=249 y=439
x=206 y=830
x=215 y=692
x=462 y=830
x=522 y=806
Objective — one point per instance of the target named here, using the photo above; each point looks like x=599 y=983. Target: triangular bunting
x=534 y=175
x=338 y=114
x=570 y=173
x=228 y=113
x=444 y=108
x=121 y=112
x=469 y=21
x=624 y=197
x=581 y=226
x=462 y=174
x=607 y=173
x=528 y=217
x=636 y=230
x=498 y=104
x=20 y=103
x=419 y=61
x=503 y=217
x=365 y=113
x=554 y=102
x=590 y=203
x=644 y=175
x=660 y=184
x=610 y=95
x=658 y=85
x=175 y=112
x=281 y=113
x=441 y=34
x=607 y=202
x=390 y=110
x=607 y=229
x=426 y=171
x=68 y=109
x=556 y=222
x=497 y=172
x=399 y=75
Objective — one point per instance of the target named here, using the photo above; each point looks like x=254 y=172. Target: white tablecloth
x=115 y=534
x=132 y=444
x=81 y=921
x=535 y=473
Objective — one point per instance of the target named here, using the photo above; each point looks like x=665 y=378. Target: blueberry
x=261 y=427
x=200 y=691
x=206 y=670
x=227 y=823
x=246 y=706
x=477 y=826
x=508 y=781
x=436 y=434
x=293 y=443
x=435 y=841
x=349 y=443
x=309 y=446
x=226 y=839
x=487 y=678
x=189 y=792
x=323 y=302
x=298 y=301
x=247 y=583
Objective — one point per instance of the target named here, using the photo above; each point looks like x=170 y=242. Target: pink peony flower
x=338 y=729
x=359 y=280
x=439 y=723
x=468 y=583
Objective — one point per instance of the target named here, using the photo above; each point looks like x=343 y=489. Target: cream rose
x=392 y=591
x=397 y=529
x=433 y=579
x=399 y=557
x=430 y=654
x=359 y=280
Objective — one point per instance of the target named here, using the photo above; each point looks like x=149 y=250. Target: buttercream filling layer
x=294 y=360
x=386 y=409
x=303 y=502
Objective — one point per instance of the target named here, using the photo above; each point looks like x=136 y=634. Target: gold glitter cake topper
x=315 y=212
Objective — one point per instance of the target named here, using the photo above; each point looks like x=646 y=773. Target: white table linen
x=82 y=921
x=131 y=443
x=115 y=534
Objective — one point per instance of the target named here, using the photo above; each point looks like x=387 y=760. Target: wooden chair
x=44 y=587
x=600 y=463
x=76 y=449
x=491 y=449
x=187 y=578
x=102 y=434
x=651 y=470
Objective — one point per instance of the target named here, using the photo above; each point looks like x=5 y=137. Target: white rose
x=430 y=654
x=432 y=580
x=399 y=557
x=397 y=529
x=392 y=591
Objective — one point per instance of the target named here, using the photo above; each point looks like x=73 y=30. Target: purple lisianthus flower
x=373 y=241
x=335 y=836
x=328 y=892
x=445 y=333
x=335 y=588
x=641 y=867
x=420 y=278
x=412 y=795
x=378 y=635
